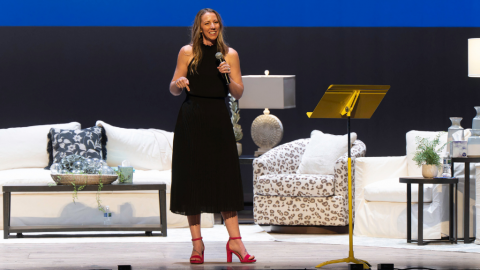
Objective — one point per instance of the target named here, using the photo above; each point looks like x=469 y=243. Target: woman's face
x=210 y=26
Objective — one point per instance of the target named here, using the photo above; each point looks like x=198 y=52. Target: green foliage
x=237 y=129
x=76 y=189
x=121 y=177
x=426 y=151
x=99 y=203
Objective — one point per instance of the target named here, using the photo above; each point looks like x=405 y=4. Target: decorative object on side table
x=237 y=129
x=474 y=140
x=459 y=149
x=474 y=144
x=263 y=92
x=453 y=129
x=427 y=155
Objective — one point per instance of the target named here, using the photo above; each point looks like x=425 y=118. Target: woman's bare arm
x=236 y=83
x=179 y=80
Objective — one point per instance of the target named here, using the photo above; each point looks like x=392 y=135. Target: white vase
x=452 y=130
x=239 y=148
x=476 y=120
x=429 y=171
x=473 y=146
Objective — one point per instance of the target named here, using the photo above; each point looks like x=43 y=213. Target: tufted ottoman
x=284 y=198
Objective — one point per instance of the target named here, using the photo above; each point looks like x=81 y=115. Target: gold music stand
x=349 y=101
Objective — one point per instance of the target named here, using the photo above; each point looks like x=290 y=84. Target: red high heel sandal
x=198 y=256
x=242 y=260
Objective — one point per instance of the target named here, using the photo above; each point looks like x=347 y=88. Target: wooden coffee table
x=148 y=228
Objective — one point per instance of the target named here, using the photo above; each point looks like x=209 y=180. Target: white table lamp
x=474 y=57
x=264 y=92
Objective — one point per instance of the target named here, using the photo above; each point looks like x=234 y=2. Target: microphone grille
x=219 y=55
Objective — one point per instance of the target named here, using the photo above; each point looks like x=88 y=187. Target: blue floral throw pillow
x=88 y=142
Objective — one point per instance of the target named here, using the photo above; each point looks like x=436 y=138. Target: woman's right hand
x=182 y=82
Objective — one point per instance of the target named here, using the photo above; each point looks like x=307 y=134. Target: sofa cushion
x=28 y=176
x=322 y=152
x=26 y=147
x=302 y=185
x=146 y=149
x=88 y=142
x=391 y=190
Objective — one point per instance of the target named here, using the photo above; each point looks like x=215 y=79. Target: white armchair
x=380 y=200
x=282 y=197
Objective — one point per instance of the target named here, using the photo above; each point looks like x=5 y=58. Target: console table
x=466 y=196
x=148 y=228
x=452 y=220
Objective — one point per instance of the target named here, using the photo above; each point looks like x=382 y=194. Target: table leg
x=6 y=214
x=450 y=213
x=466 y=205
x=456 y=212
x=163 y=211
x=409 y=213
x=420 y=214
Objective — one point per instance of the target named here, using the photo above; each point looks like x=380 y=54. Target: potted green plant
x=427 y=155
x=237 y=129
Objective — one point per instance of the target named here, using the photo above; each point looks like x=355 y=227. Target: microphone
x=220 y=59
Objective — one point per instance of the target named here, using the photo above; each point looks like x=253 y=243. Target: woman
x=205 y=167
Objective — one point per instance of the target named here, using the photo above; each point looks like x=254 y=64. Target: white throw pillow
x=26 y=147
x=322 y=152
x=146 y=149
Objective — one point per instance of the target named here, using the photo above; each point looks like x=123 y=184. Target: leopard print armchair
x=283 y=197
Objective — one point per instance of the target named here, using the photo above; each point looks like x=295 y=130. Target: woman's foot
x=198 y=251
x=238 y=246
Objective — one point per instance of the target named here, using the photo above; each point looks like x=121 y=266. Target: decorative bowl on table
x=83 y=179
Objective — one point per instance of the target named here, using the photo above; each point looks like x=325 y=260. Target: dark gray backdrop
x=121 y=75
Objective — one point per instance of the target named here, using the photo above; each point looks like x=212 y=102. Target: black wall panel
x=121 y=75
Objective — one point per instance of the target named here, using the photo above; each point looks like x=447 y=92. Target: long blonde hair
x=197 y=38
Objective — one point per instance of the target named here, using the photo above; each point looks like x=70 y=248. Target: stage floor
x=272 y=251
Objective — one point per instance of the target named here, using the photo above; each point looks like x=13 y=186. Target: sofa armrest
x=283 y=159
x=373 y=169
x=341 y=168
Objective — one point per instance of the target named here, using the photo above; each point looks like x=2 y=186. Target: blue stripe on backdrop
x=285 y=13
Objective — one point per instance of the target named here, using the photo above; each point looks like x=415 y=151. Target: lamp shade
x=268 y=91
x=474 y=57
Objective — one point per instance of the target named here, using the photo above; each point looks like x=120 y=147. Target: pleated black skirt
x=205 y=166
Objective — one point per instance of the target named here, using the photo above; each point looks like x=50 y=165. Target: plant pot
x=429 y=171
x=239 y=148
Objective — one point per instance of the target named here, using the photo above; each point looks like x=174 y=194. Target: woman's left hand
x=224 y=67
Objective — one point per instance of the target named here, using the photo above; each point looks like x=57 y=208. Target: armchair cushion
x=322 y=153
x=391 y=190
x=301 y=185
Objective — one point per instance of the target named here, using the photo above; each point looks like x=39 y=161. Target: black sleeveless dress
x=205 y=166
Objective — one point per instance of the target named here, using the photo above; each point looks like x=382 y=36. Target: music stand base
x=366 y=265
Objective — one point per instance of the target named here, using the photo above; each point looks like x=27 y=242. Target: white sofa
x=23 y=156
x=380 y=200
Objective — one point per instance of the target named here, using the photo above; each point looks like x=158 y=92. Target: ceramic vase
x=476 y=119
x=429 y=171
x=239 y=148
x=473 y=147
x=454 y=128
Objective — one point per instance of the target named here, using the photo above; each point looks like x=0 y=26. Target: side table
x=452 y=182
x=466 y=196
